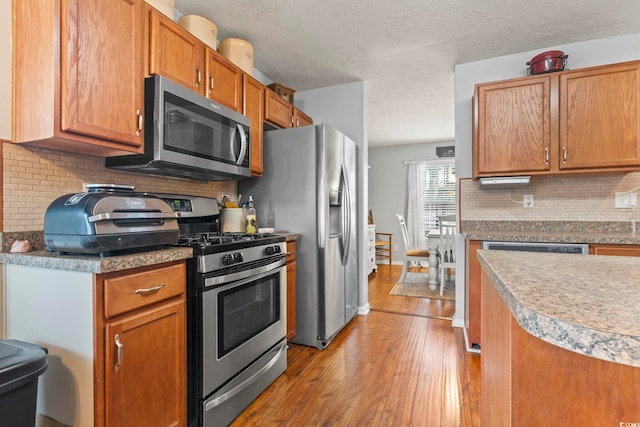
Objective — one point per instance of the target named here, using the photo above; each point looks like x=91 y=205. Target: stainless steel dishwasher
x=561 y=248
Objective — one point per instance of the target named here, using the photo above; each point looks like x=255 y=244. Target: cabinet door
x=277 y=111
x=473 y=294
x=291 y=290
x=145 y=370
x=301 y=119
x=253 y=107
x=512 y=127
x=616 y=250
x=224 y=81
x=102 y=69
x=600 y=117
x=175 y=53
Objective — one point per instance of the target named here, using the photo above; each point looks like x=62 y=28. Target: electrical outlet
x=625 y=200
x=528 y=201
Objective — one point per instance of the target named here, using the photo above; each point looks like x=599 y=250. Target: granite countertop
x=94 y=263
x=583 y=303
x=289 y=237
x=618 y=233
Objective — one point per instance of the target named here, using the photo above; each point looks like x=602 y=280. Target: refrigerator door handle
x=346 y=217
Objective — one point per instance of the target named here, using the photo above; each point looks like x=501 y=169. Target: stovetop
x=214 y=242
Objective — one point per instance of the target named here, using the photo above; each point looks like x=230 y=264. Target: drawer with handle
x=132 y=291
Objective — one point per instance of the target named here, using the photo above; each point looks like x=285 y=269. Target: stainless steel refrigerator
x=309 y=187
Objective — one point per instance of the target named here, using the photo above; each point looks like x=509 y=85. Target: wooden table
x=433 y=240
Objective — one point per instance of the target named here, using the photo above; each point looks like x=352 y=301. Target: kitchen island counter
x=560 y=339
x=585 y=304
x=94 y=263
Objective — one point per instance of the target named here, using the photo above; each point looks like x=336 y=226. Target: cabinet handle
x=198 y=77
x=292 y=122
x=139 y=117
x=120 y=346
x=564 y=154
x=546 y=156
x=211 y=85
x=149 y=290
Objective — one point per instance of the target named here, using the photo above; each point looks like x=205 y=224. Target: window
x=439 y=191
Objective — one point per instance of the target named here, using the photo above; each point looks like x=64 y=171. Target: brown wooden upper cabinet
x=253 y=107
x=281 y=113
x=585 y=120
x=177 y=54
x=224 y=81
x=277 y=111
x=300 y=118
x=89 y=98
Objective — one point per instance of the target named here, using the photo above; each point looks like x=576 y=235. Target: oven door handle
x=246 y=383
x=218 y=280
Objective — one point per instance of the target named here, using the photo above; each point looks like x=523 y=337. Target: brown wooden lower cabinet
x=472 y=300
x=618 y=250
x=529 y=382
x=291 y=289
x=140 y=368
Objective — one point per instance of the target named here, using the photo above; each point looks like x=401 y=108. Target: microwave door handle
x=243 y=144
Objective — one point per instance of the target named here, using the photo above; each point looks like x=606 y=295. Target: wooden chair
x=383 y=243
x=446 y=247
x=411 y=253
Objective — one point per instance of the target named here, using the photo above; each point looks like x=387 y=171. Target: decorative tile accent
x=35 y=177
x=555 y=198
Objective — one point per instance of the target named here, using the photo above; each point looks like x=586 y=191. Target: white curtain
x=415 y=205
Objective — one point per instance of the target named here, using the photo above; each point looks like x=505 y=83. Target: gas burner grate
x=206 y=239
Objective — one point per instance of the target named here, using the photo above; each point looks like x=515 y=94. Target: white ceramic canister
x=238 y=51
x=202 y=28
x=232 y=220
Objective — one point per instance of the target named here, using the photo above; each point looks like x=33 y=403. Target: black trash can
x=21 y=364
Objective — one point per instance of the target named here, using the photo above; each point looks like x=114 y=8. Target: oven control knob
x=269 y=250
x=277 y=248
x=237 y=257
x=227 y=259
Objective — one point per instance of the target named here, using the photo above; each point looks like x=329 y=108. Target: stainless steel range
x=235 y=313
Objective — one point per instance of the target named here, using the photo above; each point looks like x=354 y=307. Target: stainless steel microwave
x=189 y=136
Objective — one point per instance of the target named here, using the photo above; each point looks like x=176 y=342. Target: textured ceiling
x=405 y=49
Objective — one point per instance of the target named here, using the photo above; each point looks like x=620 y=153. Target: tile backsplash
x=555 y=198
x=34 y=177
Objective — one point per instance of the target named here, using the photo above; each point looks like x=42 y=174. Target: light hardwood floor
x=396 y=366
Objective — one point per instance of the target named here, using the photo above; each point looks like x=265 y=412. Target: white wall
x=345 y=108
x=584 y=54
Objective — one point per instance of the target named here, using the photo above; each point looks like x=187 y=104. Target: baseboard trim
x=466 y=343
x=363 y=310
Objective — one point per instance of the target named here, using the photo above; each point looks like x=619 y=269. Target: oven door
x=242 y=320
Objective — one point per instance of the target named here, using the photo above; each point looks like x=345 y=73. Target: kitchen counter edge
x=95 y=264
x=552 y=319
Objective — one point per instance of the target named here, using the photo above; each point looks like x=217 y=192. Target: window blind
x=439 y=191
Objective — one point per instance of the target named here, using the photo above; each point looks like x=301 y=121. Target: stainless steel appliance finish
x=309 y=187
x=562 y=248
x=236 y=313
x=189 y=136
x=108 y=218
